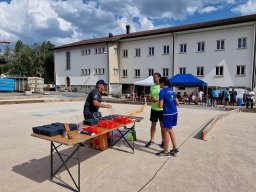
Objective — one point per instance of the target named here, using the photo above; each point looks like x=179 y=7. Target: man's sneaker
x=149 y=143
x=162 y=145
x=163 y=154
x=174 y=152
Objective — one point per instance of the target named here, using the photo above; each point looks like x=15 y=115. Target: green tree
x=35 y=60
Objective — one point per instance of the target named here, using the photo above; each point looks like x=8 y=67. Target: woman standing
x=168 y=101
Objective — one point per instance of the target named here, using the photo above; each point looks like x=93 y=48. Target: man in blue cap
x=93 y=101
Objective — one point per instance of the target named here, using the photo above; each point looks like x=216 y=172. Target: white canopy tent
x=145 y=82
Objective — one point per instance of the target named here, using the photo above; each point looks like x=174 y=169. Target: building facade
x=221 y=53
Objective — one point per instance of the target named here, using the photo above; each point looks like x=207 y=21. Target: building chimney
x=110 y=35
x=127 y=29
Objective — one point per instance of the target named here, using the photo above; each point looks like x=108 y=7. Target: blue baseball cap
x=102 y=82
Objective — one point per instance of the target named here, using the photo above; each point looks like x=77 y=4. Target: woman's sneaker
x=162 y=145
x=174 y=152
x=149 y=143
x=163 y=154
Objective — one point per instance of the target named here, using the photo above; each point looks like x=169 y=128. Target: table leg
x=123 y=137
x=64 y=164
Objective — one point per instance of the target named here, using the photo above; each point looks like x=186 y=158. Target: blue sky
x=61 y=22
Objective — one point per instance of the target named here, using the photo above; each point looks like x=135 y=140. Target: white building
x=220 y=52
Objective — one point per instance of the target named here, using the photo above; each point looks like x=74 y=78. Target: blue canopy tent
x=186 y=80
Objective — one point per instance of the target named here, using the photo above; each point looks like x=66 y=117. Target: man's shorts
x=227 y=99
x=156 y=115
x=215 y=98
x=169 y=121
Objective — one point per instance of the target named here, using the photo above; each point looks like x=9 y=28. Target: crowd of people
x=228 y=97
x=195 y=97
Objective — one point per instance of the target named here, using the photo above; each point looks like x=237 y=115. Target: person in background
x=93 y=101
x=156 y=112
x=168 y=101
x=179 y=96
x=201 y=94
x=192 y=97
x=215 y=96
x=233 y=95
x=226 y=97
x=249 y=101
x=221 y=97
x=185 y=98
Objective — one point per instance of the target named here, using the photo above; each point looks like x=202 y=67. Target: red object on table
x=92 y=130
x=108 y=124
x=122 y=120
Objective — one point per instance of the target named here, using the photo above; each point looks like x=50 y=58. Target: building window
x=182 y=70
x=151 y=51
x=99 y=71
x=124 y=73
x=166 y=49
x=125 y=53
x=115 y=71
x=86 y=71
x=150 y=72
x=242 y=43
x=200 y=71
x=165 y=72
x=137 y=72
x=86 y=52
x=137 y=52
x=183 y=48
x=82 y=71
x=219 y=70
x=100 y=50
x=200 y=46
x=67 y=60
x=240 y=70
x=220 y=44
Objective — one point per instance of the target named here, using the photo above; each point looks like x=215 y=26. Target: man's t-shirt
x=169 y=97
x=215 y=93
x=89 y=108
x=154 y=93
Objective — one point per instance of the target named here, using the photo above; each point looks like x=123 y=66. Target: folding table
x=77 y=142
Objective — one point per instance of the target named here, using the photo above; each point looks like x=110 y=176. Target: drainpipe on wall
x=108 y=69
x=253 y=61
x=172 y=54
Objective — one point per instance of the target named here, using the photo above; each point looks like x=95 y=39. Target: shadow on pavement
x=38 y=170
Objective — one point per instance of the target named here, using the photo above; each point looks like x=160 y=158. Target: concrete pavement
x=226 y=162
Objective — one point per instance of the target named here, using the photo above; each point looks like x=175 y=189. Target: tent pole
x=207 y=95
x=133 y=93
x=203 y=92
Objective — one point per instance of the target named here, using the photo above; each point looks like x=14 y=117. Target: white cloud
x=208 y=9
x=245 y=9
x=31 y=21
x=65 y=21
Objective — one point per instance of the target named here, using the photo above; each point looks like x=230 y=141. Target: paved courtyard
x=226 y=162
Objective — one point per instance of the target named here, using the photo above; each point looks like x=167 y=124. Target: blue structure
x=7 y=84
x=186 y=80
